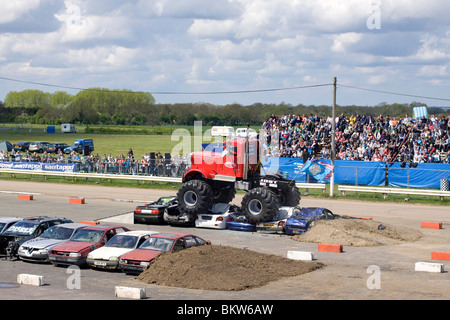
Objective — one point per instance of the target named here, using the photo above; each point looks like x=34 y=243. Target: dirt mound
x=224 y=268
x=358 y=233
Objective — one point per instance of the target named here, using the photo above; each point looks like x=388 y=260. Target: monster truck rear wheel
x=291 y=197
x=260 y=204
x=194 y=197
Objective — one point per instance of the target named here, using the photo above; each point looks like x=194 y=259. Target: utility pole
x=333 y=137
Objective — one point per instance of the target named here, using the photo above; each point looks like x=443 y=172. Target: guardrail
x=13 y=172
x=385 y=191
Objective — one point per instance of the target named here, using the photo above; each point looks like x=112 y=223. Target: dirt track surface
x=345 y=275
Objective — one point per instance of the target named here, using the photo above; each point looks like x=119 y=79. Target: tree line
x=101 y=106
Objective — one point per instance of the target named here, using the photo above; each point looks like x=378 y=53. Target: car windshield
x=2 y=225
x=57 y=232
x=159 y=244
x=164 y=200
x=88 y=236
x=122 y=241
x=22 y=228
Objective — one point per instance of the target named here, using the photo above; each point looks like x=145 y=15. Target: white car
x=216 y=218
x=6 y=222
x=242 y=133
x=278 y=221
x=37 y=249
x=108 y=256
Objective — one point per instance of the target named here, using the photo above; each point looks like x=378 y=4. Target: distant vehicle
x=6 y=222
x=75 y=251
x=277 y=224
x=56 y=147
x=153 y=212
x=21 y=146
x=137 y=260
x=107 y=257
x=6 y=146
x=37 y=249
x=238 y=221
x=68 y=128
x=242 y=133
x=303 y=221
x=38 y=146
x=26 y=229
x=81 y=146
x=217 y=217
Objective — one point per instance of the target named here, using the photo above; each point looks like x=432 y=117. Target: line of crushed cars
x=288 y=220
x=62 y=242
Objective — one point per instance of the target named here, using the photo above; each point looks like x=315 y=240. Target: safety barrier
x=385 y=191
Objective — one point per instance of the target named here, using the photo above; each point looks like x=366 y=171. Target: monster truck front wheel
x=260 y=205
x=194 y=197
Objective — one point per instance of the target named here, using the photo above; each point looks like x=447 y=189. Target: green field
x=113 y=143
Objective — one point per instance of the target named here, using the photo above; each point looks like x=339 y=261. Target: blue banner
x=37 y=166
x=425 y=175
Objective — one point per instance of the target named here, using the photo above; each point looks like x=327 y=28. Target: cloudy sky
x=231 y=51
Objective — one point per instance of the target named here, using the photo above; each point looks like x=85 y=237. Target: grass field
x=115 y=144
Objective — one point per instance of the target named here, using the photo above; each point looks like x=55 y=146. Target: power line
x=395 y=93
x=170 y=92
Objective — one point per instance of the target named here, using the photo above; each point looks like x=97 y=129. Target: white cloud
x=13 y=9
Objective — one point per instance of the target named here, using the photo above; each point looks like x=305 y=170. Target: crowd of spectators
x=364 y=138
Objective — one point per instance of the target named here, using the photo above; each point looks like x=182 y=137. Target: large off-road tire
x=291 y=197
x=195 y=197
x=222 y=192
x=260 y=204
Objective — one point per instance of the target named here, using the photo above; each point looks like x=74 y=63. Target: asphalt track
x=347 y=276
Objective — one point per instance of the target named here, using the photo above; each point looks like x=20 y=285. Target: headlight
x=90 y=256
x=43 y=251
x=123 y=261
x=75 y=254
x=114 y=259
x=145 y=263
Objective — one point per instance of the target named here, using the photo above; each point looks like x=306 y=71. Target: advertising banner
x=37 y=166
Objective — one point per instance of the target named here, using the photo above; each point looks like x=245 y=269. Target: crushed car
x=24 y=230
x=239 y=222
x=153 y=212
x=6 y=222
x=303 y=220
x=137 y=260
x=277 y=224
x=217 y=217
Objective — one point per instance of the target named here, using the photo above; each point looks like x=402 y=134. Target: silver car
x=37 y=249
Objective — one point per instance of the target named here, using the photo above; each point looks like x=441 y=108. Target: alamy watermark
x=374 y=20
x=374 y=280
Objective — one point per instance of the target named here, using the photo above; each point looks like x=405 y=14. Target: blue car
x=237 y=221
x=303 y=221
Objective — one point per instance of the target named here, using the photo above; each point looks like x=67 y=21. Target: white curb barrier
x=30 y=279
x=300 y=255
x=429 y=267
x=131 y=293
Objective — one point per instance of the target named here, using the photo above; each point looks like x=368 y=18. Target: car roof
x=172 y=235
x=72 y=225
x=10 y=219
x=137 y=232
x=45 y=218
x=102 y=227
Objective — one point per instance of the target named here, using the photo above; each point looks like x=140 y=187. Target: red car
x=137 y=260
x=76 y=250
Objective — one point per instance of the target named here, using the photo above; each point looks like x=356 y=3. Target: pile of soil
x=223 y=268
x=358 y=233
